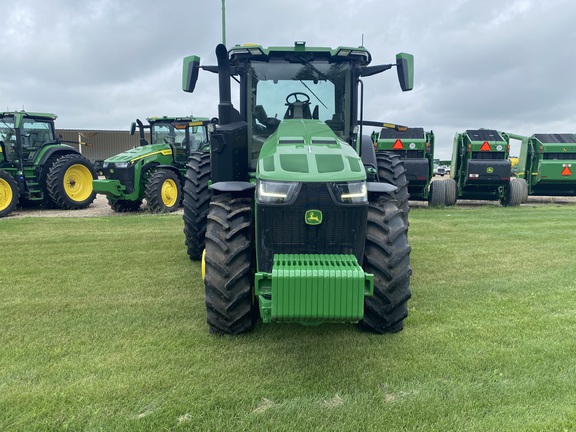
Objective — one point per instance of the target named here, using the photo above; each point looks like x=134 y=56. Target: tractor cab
x=313 y=92
x=22 y=135
x=183 y=134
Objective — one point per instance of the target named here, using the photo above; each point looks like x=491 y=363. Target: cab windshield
x=7 y=132
x=8 y=138
x=166 y=133
x=33 y=134
x=308 y=90
x=179 y=135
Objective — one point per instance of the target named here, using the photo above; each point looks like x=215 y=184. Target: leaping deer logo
x=313 y=217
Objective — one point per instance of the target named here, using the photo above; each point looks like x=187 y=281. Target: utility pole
x=224 y=22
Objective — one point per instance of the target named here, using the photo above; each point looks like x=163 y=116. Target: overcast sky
x=100 y=64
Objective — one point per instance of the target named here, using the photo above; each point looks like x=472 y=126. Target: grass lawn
x=102 y=327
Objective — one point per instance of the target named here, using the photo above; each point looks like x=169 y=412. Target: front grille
x=124 y=175
x=282 y=229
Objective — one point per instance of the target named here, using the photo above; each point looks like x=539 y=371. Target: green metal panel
x=551 y=171
x=113 y=188
x=160 y=153
x=308 y=147
x=313 y=289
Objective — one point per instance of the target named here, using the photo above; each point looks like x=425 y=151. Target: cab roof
x=154 y=119
x=48 y=116
x=339 y=54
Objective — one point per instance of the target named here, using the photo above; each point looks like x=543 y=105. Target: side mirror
x=190 y=70
x=405 y=67
x=133 y=128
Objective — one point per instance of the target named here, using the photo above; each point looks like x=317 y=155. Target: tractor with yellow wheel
x=154 y=171
x=37 y=168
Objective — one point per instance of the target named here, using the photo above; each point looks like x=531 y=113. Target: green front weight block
x=310 y=289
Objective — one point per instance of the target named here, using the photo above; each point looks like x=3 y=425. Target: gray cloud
x=100 y=64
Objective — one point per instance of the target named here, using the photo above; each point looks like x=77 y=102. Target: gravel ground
x=532 y=201
x=99 y=207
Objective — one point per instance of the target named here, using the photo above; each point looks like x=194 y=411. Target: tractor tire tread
x=196 y=203
x=387 y=257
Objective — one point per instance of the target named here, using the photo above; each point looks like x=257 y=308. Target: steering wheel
x=295 y=95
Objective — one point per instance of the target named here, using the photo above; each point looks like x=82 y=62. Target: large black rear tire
x=163 y=191
x=69 y=182
x=196 y=203
x=387 y=257
x=9 y=192
x=229 y=259
x=391 y=170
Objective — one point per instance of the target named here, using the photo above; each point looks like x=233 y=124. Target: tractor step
x=310 y=288
x=34 y=190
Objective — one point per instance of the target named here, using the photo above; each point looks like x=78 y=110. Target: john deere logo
x=489 y=170
x=313 y=217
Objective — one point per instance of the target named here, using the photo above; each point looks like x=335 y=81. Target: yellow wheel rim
x=6 y=194
x=78 y=183
x=203 y=264
x=169 y=193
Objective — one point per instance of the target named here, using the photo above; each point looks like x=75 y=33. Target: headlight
x=122 y=164
x=350 y=192
x=271 y=192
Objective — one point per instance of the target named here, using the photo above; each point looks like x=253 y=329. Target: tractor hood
x=308 y=150
x=137 y=153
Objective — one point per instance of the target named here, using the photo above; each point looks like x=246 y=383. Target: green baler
x=154 y=170
x=415 y=146
x=548 y=164
x=481 y=170
x=300 y=227
x=36 y=168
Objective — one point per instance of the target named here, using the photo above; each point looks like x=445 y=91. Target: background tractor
x=480 y=170
x=548 y=164
x=37 y=168
x=155 y=170
x=300 y=227
x=416 y=149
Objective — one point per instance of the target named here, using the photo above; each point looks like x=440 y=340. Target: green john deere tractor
x=155 y=170
x=548 y=164
x=36 y=168
x=300 y=226
x=416 y=149
x=480 y=170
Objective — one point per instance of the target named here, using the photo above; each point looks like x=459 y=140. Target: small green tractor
x=480 y=170
x=548 y=164
x=300 y=227
x=154 y=170
x=416 y=149
x=36 y=168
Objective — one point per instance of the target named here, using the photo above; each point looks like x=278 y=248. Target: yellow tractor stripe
x=164 y=152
